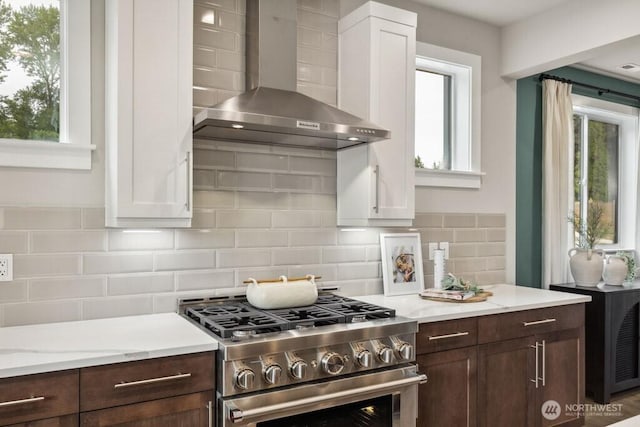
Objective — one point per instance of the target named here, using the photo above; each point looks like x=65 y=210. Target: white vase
x=615 y=270
x=586 y=266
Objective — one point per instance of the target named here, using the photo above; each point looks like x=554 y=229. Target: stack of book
x=441 y=293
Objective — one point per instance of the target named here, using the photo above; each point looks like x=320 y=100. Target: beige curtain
x=557 y=181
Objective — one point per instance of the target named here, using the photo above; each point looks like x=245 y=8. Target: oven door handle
x=236 y=415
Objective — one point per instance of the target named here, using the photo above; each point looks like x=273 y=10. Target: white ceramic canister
x=615 y=270
x=586 y=266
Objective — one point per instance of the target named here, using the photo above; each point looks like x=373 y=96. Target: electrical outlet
x=6 y=267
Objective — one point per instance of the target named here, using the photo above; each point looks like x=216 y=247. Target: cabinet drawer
x=34 y=397
x=131 y=382
x=499 y=327
x=446 y=335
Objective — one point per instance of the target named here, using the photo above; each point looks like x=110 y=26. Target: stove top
x=236 y=318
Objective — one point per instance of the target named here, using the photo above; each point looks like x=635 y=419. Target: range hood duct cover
x=271 y=111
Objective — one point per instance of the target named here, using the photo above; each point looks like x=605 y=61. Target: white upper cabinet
x=149 y=45
x=377 y=51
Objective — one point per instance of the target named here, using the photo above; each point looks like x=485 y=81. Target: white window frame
x=626 y=118
x=465 y=69
x=73 y=151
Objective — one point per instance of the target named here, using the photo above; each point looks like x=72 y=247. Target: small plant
x=418 y=162
x=453 y=283
x=593 y=229
x=630 y=260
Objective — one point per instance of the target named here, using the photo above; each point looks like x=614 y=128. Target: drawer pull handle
x=538 y=322
x=22 y=401
x=151 y=381
x=440 y=337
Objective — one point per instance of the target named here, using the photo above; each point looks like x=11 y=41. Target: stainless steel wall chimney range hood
x=271 y=111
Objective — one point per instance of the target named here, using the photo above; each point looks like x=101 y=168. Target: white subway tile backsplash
x=206 y=158
x=93 y=218
x=14 y=291
x=243 y=219
x=146 y=283
x=134 y=240
x=492 y=220
x=203 y=218
x=358 y=271
x=204 y=57
x=204 y=179
x=213 y=199
x=210 y=37
x=428 y=220
x=313 y=238
x=317 y=21
x=322 y=58
x=116 y=306
x=330 y=7
x=297 y=183
x=258 y=161
x=117 y=263
x=296 y=256
x=228 y=60
x=309 y=37
x=459 y=220
x=66 y=288
x=41 y=312
x=41 y=218
x=344 y=254
x=351 y=236
x=296 y=219
x=496 y=235
x=231 y=21
x=204 y=239
x=325 y=167
x=327 y=273
x=216 y=78
x=328 y=219
x=203 y=97
x=244 y=180
x=474 y=235
x=184 y=260
x=13 y=242
x=204 y=280
x=261 y=238
x=243 y=258
x=230 y=5
x=460 y=250
x=262 y=200
x=45 y=265
x=267 y=273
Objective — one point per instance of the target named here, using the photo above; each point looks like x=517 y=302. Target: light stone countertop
x=67 y=345
x=506 y=298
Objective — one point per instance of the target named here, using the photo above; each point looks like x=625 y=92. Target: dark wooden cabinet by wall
x=612 y=328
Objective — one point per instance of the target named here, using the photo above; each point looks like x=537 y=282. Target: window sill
x=448 y=178
x=43 y=154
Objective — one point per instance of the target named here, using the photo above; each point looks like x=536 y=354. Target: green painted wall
x=529 y=162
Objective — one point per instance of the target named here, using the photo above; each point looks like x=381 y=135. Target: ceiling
x=505 y=12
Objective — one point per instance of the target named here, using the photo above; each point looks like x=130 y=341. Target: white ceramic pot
x=615 y=270
x=586 y=266
x=282 y=293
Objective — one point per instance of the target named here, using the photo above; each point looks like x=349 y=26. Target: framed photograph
x=401 y=263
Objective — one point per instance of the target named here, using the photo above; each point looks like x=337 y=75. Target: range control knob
x=244 y=379
x=363 y=358
x=298 y=369
x=272 y=373
x=385 y=354
x=332 y=363
x=405 y=350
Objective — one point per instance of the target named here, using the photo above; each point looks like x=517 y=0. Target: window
x=604 y=168
x=45 y=53
x=447 y=117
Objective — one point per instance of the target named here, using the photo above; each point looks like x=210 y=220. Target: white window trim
x=627 y=118
x=74 y=149
x=466 y=132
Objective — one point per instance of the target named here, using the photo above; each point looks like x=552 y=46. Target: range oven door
x=384 y=398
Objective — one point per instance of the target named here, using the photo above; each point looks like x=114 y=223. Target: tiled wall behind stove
x=260 y=211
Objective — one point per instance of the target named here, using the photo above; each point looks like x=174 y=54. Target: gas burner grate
x=332 y=299
x=259 y=323
x=354 y=311
x=308 y=316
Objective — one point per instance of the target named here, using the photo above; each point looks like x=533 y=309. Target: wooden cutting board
x=479 y=297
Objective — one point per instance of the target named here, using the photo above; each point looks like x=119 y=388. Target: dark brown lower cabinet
x=449 y=397
x=63 y=421
x=185 y=411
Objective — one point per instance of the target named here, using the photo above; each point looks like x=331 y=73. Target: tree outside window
x=30 y=69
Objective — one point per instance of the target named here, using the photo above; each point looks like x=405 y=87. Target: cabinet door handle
x=22 y=401
x=537 y=374
x=210 y=415
x=544 y=368
x=441 y=337
x=538 y=322
x=376 y=171
x=187 y=160
x=151 y=380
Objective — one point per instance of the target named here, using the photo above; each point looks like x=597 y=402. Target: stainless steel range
x=339 y=362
